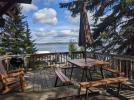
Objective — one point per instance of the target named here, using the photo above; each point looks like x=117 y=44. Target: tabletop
x=89 y=62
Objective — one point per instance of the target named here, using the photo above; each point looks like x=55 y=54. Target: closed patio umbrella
x=85 y=37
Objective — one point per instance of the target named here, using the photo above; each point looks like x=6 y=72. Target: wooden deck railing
x=52 y=59
x=119 y=62
x=122 y=63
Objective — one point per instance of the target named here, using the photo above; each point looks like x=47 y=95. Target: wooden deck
x=59 y=92
x=41 y=87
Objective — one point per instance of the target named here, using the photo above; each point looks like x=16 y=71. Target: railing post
x=120 y=64
x=131 y=70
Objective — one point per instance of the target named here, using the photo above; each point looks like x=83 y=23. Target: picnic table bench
x=113 y=71
x=105 y=81
x=60 y=75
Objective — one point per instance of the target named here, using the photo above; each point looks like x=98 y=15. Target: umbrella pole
x=85 y=54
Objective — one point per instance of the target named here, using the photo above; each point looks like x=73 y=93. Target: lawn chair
x=11 y=80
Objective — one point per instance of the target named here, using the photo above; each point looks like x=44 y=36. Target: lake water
x=53 y=47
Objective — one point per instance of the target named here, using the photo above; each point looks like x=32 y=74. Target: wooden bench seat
x=103 y=82
x=65 y=80
x=113 y=70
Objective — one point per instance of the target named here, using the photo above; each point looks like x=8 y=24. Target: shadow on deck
x=41 y=87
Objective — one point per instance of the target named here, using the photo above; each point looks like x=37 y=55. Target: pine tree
x=29 y=46
x=4 y=43
x=16 y=37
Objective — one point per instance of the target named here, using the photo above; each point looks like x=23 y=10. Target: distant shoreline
x=53 y=47
x=54 y=43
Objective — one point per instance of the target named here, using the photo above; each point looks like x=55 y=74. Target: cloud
x=42 y=32
x=55 y=35
x=65 y=0
x=55 y=40
x=45 y=16
x=68 y=32
x=28 y=7
x=49 y=2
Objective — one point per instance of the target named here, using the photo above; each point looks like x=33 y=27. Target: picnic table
x=90 y=63
x=87 y=65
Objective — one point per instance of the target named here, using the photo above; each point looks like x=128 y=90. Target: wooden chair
x=12 y=79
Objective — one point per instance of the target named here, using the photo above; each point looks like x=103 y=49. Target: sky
x=49 y=23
